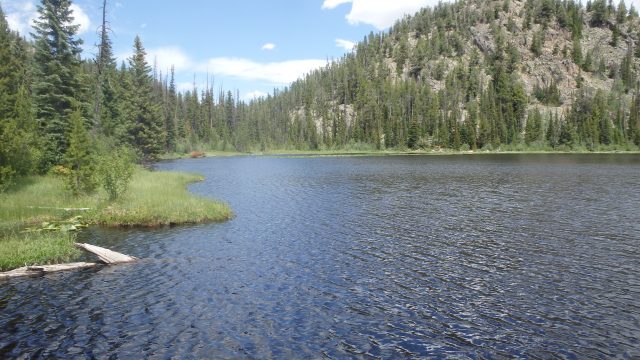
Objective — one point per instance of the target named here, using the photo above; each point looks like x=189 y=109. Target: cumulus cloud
x=332 y=4
x=384 y=13
x=164 y=58
x=284 y=72
x=345 y=44
x=80 y=18
x=253 y=95
x=21 y=14
x=268 y=46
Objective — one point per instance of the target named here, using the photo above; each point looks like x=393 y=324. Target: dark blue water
x=532 y=256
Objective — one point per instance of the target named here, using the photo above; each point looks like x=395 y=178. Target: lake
x=497 y=256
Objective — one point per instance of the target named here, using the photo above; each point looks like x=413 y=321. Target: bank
x=33 y=213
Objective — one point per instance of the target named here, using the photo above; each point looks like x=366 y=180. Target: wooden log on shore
x=45 y=269
x=105 y=255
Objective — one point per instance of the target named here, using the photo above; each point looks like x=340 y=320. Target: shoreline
x=346 y=153
x=38 y=219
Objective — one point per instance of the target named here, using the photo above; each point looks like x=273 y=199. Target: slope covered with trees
x=507 y=74
x=471 y=75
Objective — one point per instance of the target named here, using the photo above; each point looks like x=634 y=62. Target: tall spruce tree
x=143 y=115
x=18 y=145
x=105 y=111
x=57 y=83
x=79 y=156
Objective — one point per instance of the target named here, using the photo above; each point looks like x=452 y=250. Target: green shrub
x=6 y=178
x=115 y=171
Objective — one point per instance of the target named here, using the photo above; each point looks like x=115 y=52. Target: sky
x=251 y=46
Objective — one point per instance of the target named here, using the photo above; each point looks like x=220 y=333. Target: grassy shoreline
x=154 y=199
x=392 y=152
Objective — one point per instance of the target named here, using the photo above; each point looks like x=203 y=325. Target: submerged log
x=105 y=255
x=45 y=269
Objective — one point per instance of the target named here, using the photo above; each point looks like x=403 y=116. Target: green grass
x=160 y=199
x=154 y=199
x=21 y=249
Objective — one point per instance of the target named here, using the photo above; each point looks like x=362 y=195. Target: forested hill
x=473 y=74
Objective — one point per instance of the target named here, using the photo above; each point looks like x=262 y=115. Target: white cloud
x=163 y=58
x=332 y=4
x=268 y=46
x=284 y=72
x=80 y=18
x=253 y=95
x=384 y=13
x=345 y=44
x=21 y=14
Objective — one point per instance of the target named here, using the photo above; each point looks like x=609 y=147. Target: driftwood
x=56 y=208
x=44 y=269
x=106 y=256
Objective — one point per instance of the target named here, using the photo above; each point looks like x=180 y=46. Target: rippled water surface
x=466 y=256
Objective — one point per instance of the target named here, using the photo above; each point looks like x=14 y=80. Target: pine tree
x=621 y=16
x=79 y=157
x=170 y=120
x=599 y=13
x=9 y=76
x=144 y=121
x=533 y=130
x=57 y=81
x=105 y=111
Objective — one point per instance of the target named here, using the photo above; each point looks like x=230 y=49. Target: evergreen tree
x=599 y=12
x=143 y=119
x=621 y=16
x=10 y=69
x=533 y=130
x=57 y=75
x=105 y=112
x=170 y=119
x=79 y=157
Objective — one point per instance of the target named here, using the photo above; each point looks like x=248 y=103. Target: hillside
x=473 y=74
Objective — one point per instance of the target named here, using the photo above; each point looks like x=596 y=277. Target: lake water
x=495 y=256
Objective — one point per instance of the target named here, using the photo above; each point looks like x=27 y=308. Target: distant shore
x=335 y=153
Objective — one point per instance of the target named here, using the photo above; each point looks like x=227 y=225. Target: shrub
x=196 y=154
x=60 y=171
x=6 y=178
x=115 y=171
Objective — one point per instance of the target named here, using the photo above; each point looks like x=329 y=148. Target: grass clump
x=161 y=199
x=21 y=249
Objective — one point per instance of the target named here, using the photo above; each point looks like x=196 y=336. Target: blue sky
x=247 y=45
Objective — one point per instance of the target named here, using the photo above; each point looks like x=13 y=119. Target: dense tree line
x=429 y=82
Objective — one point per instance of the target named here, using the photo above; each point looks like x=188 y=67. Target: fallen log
x=45 y=269
x=105 y=255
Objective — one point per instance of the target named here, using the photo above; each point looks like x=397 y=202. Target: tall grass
x=22 y=249
x=160 y=198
